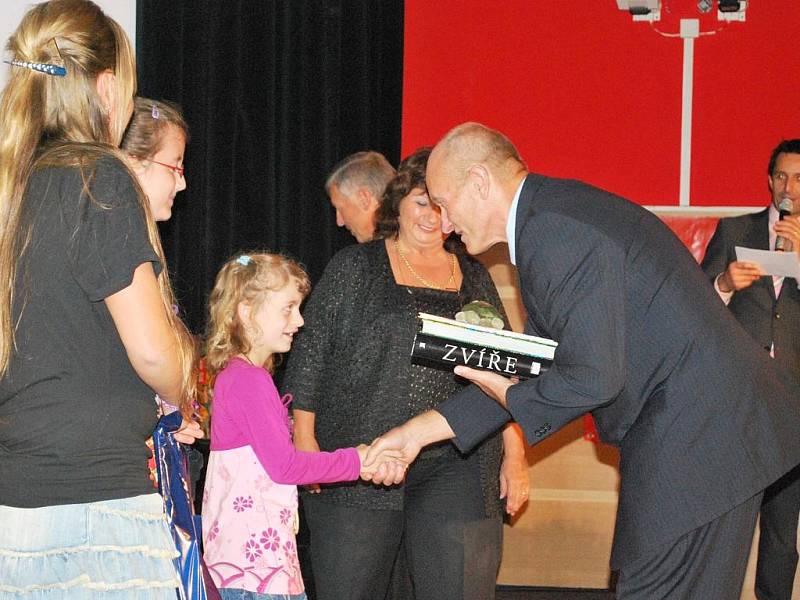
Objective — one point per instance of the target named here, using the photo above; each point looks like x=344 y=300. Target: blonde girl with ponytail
x=87 y=329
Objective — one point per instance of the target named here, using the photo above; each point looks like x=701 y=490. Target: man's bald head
x=472 y=143
x=473 y=173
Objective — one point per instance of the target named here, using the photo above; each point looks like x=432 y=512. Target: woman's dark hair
x=410 y=176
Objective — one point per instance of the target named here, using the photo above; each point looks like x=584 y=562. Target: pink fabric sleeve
x=255 y=408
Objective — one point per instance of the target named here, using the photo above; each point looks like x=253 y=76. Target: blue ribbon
x=174 y=487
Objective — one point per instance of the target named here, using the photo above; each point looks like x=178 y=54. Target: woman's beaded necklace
x=450 y=282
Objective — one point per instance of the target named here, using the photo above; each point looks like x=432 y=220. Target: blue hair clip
x=46 y=68
x=244 y=260
x=154 y=112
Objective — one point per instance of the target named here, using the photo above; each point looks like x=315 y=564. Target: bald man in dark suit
x=702 y=418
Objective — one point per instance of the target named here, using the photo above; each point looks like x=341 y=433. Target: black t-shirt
x=74 y=415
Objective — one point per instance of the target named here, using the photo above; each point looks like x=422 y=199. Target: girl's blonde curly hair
x=245 y=278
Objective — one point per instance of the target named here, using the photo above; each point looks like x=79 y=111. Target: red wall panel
x=585 y=92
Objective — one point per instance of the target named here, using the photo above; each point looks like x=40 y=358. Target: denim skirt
x=237 y=594
x=113 y=549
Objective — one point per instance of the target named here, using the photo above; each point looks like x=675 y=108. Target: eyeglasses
x=173 y=168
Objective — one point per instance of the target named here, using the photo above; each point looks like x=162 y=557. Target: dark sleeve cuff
x=304 y=403
x=538 y=420
x=473 y=416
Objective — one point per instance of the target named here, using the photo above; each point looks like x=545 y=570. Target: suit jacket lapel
x=526 y=209
x=526 y=204
x=757 y=236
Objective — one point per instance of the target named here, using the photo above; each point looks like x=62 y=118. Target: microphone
x=784 y=210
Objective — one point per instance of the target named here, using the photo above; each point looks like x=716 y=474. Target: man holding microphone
x=769 y=309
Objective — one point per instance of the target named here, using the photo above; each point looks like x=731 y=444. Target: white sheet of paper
x=772 y=263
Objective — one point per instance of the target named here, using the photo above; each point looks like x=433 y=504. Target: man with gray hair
x=355 y=187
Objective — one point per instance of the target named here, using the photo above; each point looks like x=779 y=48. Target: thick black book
x=446 y=353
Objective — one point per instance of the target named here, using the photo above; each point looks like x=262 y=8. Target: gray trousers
x=707 y=563
x=777 y=543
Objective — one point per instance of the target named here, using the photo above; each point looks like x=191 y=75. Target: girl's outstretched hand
x=386 y=466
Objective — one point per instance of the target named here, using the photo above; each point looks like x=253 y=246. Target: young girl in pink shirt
x=250 y=498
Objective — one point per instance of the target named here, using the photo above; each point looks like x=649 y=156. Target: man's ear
x=769 y=182
x=107 y=90
x=366 y=201
x=479 y=177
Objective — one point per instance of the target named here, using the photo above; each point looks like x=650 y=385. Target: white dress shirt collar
x=511 y=225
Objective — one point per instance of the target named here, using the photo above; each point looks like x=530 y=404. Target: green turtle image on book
x=482 y=313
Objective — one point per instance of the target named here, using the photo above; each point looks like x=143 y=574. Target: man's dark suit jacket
x=755 y=307
x=701 y=416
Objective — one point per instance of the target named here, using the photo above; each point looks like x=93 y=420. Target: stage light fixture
x=731 y=10
x=641 y=10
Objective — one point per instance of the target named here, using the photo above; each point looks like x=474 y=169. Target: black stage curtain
x=275 y=93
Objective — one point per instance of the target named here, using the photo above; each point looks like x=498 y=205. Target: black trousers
x=707 y=563
x=452 y=550
x=777 y=544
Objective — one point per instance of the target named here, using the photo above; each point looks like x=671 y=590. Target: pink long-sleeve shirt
x=249 y=411
x=250 y=497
